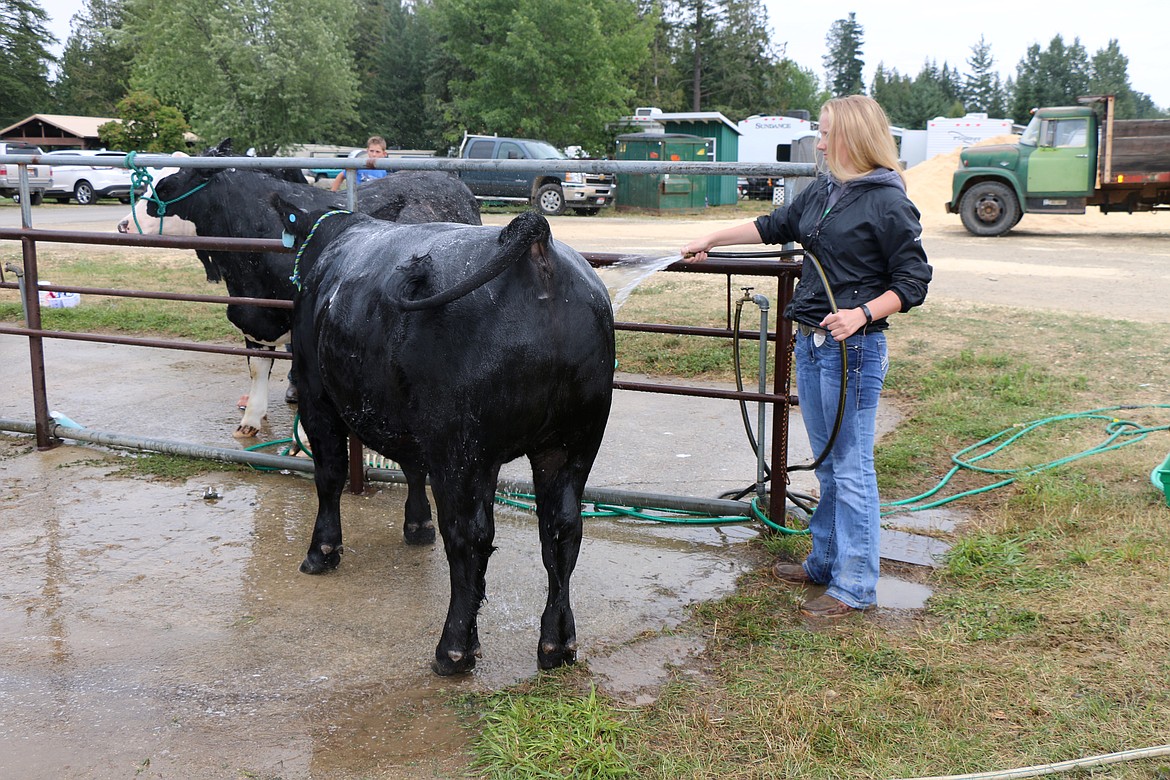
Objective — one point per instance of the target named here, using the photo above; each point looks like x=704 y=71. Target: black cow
x=453 y=350
x=234 y=203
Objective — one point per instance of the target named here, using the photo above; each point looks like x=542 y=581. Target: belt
x=808 y=330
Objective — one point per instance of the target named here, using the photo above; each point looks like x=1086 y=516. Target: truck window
x=510 y=151
x=1070 y=132
x=480 y=149
x=1031 y=135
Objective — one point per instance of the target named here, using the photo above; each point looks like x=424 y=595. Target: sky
x=905 y=34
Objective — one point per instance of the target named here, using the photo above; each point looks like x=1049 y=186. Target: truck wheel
x=83 y=193
x=550 y=200
x=989 y=208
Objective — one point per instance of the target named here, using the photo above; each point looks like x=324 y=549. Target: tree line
x=274 y=73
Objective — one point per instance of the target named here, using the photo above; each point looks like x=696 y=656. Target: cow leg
x=329 y=442
x=559 y=483
x=257 y=407
x=418 y=528
x=467 y=523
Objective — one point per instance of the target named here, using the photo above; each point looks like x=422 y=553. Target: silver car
x=86 y=183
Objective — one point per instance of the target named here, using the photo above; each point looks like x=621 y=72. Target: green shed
x=723 y=146
x=673 y=192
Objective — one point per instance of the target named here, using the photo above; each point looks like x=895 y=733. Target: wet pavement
x=149 y=631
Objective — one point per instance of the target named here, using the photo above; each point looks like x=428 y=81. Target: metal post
x=30 y=289
x=780 y=387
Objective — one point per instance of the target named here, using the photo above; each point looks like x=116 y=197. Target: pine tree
x=843 y=62
x=95 y=66
x=24 y=61
x=981 y=84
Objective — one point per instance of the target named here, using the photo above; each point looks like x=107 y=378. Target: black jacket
x=868 y=242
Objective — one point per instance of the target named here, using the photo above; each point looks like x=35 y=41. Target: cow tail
x=527 y=233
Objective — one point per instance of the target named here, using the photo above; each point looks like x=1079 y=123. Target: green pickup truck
x=1068 y=158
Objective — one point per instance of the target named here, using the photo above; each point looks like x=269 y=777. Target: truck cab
x=552 y=192
x=1051 y=170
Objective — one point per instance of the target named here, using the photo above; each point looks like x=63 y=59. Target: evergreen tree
x=741 y=60
x=843 y=62
x=980 y=82
x=700 y=20
x=95 y=66
x=1056 y=76
x=1110 y=76
x=892 y=91
x=24 y=61
x=659 y=82
x=393 y=78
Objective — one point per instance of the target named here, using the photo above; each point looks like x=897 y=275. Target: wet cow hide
x=453 y=350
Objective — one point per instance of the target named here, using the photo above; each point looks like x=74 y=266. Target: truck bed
x=1140 y=147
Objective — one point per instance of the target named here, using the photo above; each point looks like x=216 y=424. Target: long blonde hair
x=861 y=135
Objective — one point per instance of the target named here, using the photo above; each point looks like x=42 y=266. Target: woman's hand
x=695 y=251
x=844 y=323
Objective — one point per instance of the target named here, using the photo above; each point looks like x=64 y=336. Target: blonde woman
x=857 y=221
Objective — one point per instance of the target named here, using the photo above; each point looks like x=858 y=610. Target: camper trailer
x=766 y=139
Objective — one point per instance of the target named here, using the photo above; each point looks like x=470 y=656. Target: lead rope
x=139 y=175
x=296 y=274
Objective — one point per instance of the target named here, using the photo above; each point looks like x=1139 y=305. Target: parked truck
x=1067 y=159
x=40 y=177
x=552 y=192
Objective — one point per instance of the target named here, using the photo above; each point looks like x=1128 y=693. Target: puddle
x=148 y=631
x=893 y=593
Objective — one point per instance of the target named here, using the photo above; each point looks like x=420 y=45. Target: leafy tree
x=790 y=87
x=24 y=60
x=843 y=62
x=95 y=66
x=145 y=125
x=507 y=67
x=269 y=73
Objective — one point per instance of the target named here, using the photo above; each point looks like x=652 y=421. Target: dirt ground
x=148 y=631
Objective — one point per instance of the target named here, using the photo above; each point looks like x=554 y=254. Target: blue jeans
x=845 y=527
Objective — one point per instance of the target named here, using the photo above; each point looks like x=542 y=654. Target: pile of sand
x=929 y=185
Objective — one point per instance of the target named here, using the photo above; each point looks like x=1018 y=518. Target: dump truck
x=1068 y=158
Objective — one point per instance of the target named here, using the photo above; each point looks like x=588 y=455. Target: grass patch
x=549 y=729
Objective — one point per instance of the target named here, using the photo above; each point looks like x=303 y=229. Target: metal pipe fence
x=785 y=270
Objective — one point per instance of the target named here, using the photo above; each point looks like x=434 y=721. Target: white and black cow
x=453 y=350
x=235 y=203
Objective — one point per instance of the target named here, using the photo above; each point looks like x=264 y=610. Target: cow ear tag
x=287 y=238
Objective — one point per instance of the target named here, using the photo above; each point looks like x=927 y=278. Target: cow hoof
x=549 y=656
x=419 y=533
x=321 y=562
x=246 y=432
x=453 y=662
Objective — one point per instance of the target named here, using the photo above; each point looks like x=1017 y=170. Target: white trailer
x=765 y=139
x=944 y=134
